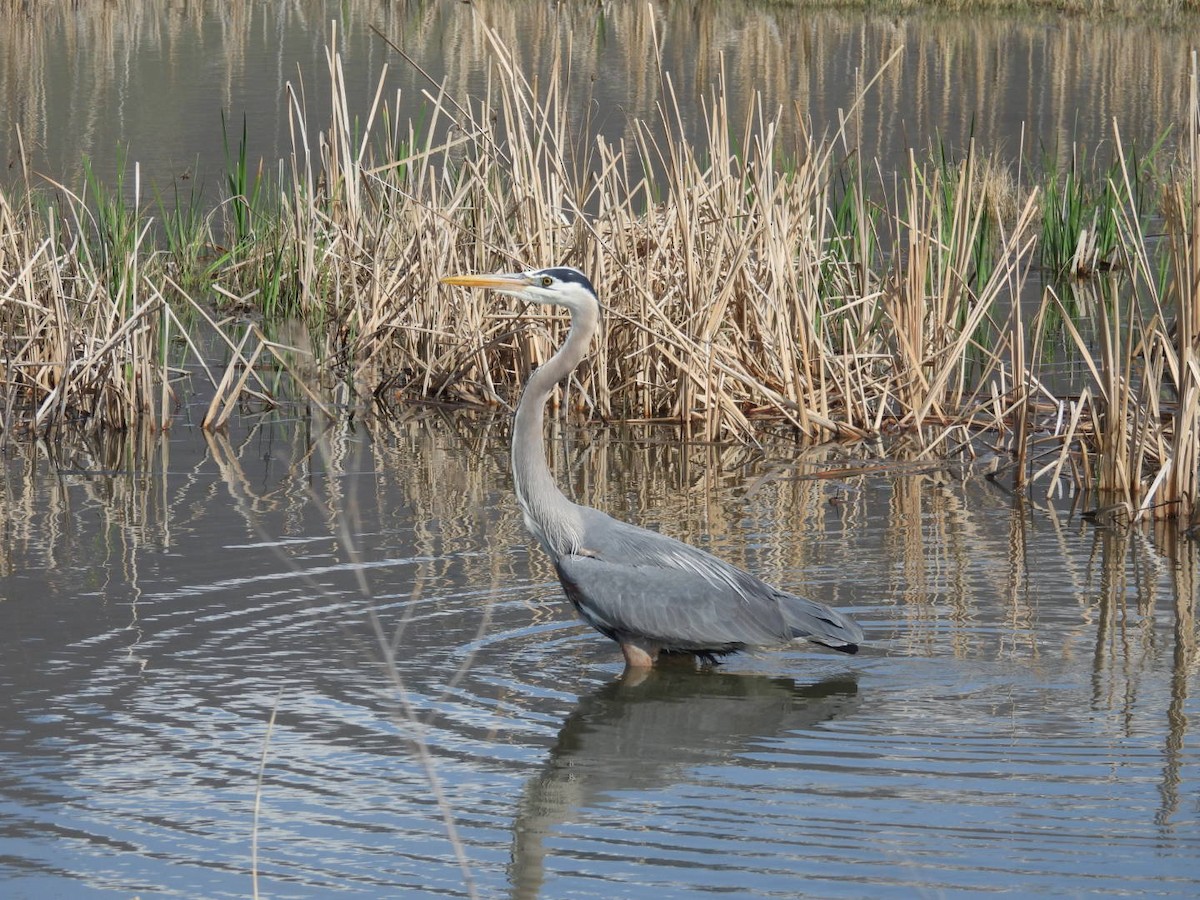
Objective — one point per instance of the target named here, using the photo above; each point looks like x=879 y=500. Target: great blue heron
x=648 y=592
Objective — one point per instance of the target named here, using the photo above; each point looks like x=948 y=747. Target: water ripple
x=1035 y=742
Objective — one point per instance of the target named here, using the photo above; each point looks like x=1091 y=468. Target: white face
x=546 y=289
x=561 y=286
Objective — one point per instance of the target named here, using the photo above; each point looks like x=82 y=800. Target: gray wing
x=671 y=607
x=626 y=580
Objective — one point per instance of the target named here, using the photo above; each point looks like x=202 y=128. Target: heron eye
x=547 y=281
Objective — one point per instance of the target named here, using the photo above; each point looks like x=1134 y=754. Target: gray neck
x=550 y=516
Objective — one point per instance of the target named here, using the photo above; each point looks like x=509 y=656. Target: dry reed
x=744 y=288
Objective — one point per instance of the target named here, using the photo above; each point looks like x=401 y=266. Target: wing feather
x=628 y=581
x=676 y=609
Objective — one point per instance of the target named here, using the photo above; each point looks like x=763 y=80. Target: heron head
x=557 y=286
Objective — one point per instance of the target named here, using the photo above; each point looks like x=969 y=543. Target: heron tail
x=820 y=624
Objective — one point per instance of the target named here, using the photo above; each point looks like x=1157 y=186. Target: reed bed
x=81 y=327
x=753 y=280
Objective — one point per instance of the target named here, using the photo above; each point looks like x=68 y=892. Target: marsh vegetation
x=757 y=277
x=269 y=608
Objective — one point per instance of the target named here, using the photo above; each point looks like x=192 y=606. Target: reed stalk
x=1183 y=354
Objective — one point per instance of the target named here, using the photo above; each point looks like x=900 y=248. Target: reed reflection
x=645 y=731
x=153 y=591
x=961 y=76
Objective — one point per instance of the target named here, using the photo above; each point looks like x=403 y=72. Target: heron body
x=648 y=592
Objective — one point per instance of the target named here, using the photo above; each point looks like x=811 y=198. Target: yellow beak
x=514 y=282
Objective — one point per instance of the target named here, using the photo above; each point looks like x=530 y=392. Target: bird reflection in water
x=644 y=731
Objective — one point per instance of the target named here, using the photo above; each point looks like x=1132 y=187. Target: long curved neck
x=549 y=515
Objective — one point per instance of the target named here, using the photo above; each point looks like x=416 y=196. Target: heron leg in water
x=639 y=654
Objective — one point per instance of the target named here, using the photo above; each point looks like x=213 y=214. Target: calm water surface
x=188 y=626
x=148 y=82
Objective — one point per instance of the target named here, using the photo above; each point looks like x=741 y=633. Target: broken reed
x=739 y=290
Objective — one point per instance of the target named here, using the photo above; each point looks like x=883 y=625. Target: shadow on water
x=644 y=731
